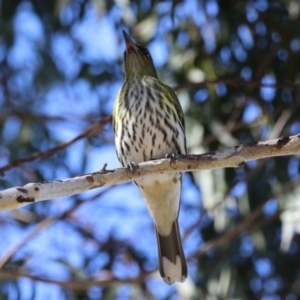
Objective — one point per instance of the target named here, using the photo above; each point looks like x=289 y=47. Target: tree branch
x=93 y=129
x=16 y=197
x=76 y=285
x=43 y=225
x=238 y=82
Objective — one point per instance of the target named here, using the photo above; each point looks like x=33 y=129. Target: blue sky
x=121 y=210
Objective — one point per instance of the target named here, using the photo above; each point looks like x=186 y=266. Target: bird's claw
x=132 y=166
x=171 y=156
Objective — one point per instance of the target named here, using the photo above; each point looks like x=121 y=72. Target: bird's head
x=138 y=60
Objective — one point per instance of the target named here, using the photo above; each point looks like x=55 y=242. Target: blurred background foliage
x=236 y=68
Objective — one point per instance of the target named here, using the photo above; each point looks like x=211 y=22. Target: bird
x=148 y=123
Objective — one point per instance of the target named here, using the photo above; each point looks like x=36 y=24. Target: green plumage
x=149 y=124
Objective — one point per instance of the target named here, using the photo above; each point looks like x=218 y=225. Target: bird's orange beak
x=130 y=45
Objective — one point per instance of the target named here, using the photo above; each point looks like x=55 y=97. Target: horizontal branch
x=235 y=157
x=76 y=285
x=239 y=82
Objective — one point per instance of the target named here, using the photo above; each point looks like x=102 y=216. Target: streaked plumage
x=149 y=124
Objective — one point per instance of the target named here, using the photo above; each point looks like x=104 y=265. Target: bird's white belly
x=162 y=197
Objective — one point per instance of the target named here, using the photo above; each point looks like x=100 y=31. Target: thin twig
x=238 y=82
x=93 y=129
x=76 y=285
x=45 y=224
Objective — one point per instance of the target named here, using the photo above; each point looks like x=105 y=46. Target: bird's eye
x=146 y=52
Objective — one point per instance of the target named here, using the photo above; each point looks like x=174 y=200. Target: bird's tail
x=172 y=264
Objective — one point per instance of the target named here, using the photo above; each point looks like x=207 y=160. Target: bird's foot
x=171 y=157
x=132 y=166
